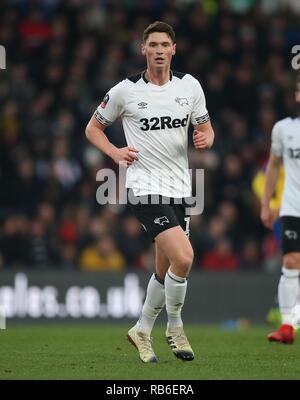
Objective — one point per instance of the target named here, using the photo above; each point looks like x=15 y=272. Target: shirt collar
x=146 y=80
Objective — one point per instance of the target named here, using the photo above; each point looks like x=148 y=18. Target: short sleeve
x=276 y=143
x=199 y=113
x=112 y=105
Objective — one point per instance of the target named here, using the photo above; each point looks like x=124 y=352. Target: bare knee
x=292 y=260
x=182 y=264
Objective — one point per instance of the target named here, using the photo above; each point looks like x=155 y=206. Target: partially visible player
x=286 y=147
x=258 y=184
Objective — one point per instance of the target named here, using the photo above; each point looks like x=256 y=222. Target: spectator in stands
x=250 y=258
x=221 y=257
x=131 y=240
x=103 y=255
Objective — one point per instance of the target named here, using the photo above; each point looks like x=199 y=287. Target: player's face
x=158 y=50
x=297 y=96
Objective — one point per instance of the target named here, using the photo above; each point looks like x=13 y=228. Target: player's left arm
x=203 y=136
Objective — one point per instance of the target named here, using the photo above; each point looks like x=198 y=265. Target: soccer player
x=286 y=146
x=156 y=107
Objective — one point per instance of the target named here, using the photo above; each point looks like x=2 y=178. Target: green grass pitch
x=102 y=352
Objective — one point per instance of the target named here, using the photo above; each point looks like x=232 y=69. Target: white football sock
x=154 y=302
x=297 y=311
x=175 y=287
x=288 y=289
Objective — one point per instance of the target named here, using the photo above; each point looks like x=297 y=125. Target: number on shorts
x=187 y=226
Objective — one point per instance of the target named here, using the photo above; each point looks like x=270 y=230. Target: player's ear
x=143 y=50
x=174 y=49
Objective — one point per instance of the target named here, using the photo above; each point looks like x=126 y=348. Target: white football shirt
x=286 y=144
x=155 y=122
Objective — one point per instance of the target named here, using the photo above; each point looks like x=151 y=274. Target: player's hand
x=125 y=155
x=268 y=216
x=201 y=140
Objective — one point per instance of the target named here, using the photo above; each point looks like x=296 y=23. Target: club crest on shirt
x=182 y=101
x=142 y=105
x=291 y=234
x=105 y=100
x=161 y=220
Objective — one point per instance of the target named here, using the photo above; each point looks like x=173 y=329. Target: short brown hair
x=159 y=26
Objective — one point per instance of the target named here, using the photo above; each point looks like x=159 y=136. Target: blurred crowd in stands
x=63 y=56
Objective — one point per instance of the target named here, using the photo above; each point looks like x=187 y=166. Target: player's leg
x=288 y=290
x=139 y=334
x=155 y=218
x=179 y=252
x=162 y=263
x=288 y=287
x=296 y=323
x=155 y=296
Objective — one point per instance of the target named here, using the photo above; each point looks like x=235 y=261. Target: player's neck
x=158 y=77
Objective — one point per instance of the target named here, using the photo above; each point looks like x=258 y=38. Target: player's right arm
x=111 y=107
x=95 y=134
x=269 y=215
